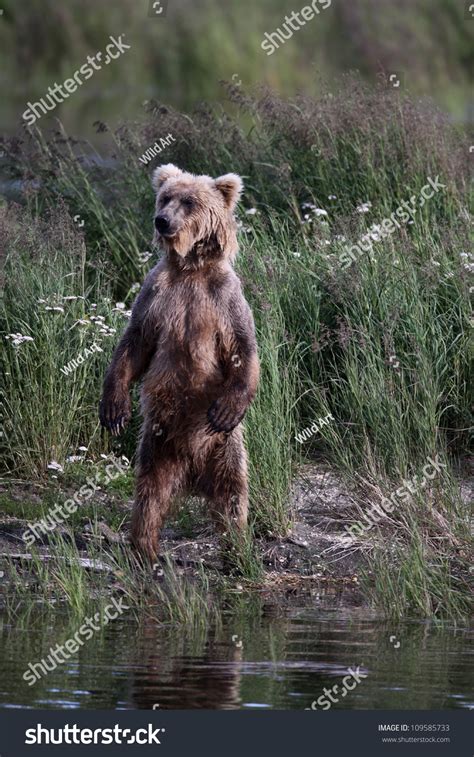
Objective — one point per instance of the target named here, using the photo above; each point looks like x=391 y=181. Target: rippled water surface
x=273 y=658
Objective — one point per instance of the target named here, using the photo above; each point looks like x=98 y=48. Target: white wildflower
x=81 y=321
x=53 y=465
x=19 y=339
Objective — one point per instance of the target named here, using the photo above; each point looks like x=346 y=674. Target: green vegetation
x=381 y=345
x=63 y=580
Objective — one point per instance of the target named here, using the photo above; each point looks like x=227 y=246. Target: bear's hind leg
x=160 y=478
x=224 y=482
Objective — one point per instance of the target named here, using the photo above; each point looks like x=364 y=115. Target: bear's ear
x=162 y=173
x=231 y=187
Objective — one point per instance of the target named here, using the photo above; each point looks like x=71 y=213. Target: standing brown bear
x=191 y=339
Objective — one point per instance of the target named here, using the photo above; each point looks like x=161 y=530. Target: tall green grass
x=48 y=412
x=61 y=580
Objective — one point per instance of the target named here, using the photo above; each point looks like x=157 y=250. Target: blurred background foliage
x=181 y=57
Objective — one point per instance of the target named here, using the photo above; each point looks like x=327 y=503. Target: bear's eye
x=188 y=203
x=165 y=199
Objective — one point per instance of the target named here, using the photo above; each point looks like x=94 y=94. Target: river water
x=263 y=657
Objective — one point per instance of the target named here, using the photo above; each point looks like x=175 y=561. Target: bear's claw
x=114 y=415
x=223 y=418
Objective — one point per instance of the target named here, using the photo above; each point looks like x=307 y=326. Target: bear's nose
x=162 y=224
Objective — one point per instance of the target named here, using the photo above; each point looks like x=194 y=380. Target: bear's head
x=194 y=215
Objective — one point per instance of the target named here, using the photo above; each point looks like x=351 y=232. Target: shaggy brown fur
x=191 y=338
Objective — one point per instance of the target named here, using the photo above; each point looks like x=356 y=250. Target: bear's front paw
x=114 y=413
x=224 y=415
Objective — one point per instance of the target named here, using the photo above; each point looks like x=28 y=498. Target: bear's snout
x=162 y=224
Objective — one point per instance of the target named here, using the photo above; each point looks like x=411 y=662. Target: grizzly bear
x=191 y=339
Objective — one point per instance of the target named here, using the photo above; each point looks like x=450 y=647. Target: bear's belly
x=182 y=380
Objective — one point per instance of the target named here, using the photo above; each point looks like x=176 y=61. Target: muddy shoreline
x=316 y=551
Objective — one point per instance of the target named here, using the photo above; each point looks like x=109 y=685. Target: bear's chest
x=190 y=315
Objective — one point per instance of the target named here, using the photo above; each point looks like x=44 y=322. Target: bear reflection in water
x=173 y=680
